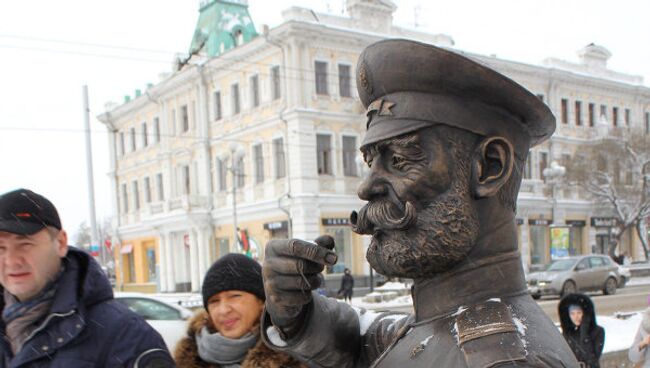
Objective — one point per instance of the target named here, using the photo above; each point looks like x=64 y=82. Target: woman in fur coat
x=639 y=351
x=226 y=333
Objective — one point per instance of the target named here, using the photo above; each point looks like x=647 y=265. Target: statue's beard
x=417 y=244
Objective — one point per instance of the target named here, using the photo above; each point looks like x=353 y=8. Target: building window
x=258 y=158
x=543 y=162
x=145 y=137
x=320 y=68
x=234 y=91
x=121 y=144
x=125 y=199
x=275 y=83
x=627 y=117
x=279 y=159
x=565 y=111
x=239 y=170
x=344 y=81
x=156 y=130
x=528 y=168
x=136 y=195
x=159 y=187
x=603 y=111
x=349 y=156
x=147 y=190
x=172 y=126
x=132 y=134
x=324 y=153
x=255 y=91
x=222 y=171
x=592 y=113
x=578 y=112
x=185 y=179
x=185 y=118
x=615 y=116
x=647 y=123
x=217 y=106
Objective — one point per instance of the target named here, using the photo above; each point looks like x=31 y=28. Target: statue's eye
x=398 y=161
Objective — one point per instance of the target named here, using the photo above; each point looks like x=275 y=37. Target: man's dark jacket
x=588 y=340
x=86 y=327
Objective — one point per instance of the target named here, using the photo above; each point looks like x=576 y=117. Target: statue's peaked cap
x=408 y=85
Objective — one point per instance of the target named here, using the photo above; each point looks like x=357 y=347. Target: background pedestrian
x=585 y=338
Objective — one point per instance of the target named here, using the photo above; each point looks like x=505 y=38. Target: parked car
x=568 y=275
x=168 y=319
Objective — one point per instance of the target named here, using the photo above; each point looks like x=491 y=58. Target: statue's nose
x=372 y=186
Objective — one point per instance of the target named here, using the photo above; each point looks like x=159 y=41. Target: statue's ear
x=491 y=166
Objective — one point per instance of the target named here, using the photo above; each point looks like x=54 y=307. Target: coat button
x=59 y=340
x=45 y=348
x=78 y=326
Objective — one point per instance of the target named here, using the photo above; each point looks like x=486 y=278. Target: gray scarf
x=218 y=349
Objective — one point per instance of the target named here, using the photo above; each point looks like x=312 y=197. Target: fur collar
x=645 y=322
x=186 y=353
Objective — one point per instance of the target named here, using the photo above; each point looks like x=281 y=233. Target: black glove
x=290 y=271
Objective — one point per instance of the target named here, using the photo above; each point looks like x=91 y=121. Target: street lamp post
x=554 y=173
x=236 y=152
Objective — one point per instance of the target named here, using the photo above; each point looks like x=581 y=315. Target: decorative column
x=194 y=260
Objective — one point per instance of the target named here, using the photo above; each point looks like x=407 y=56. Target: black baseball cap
x=24 y=212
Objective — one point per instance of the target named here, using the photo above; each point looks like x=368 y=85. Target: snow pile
x=619 y=333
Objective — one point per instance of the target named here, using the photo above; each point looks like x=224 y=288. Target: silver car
x=592 y=272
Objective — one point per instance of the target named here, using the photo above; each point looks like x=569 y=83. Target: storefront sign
x=576 y=223
x=539 y=222
x=559 y=242
x=336 y=221
x=277 y=225
x=604 y=221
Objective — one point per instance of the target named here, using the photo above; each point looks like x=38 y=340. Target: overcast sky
x=49 y=49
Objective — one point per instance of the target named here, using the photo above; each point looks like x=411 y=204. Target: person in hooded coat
x=226 y=333
x=639 y=352
x=585 y=338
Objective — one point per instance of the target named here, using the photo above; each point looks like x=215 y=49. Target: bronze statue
x=446 y=143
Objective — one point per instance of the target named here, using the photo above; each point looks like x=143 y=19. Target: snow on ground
x=635 y=281
x=619 y=333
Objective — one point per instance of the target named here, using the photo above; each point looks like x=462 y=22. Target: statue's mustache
x=383 y=214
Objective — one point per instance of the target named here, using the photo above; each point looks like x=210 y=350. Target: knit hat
x=233 y=272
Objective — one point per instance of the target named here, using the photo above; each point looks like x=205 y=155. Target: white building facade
x=266 y=134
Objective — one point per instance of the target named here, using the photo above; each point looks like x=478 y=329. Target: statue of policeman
x=446 y=143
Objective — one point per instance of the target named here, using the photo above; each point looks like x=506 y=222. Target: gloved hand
x=290 y=272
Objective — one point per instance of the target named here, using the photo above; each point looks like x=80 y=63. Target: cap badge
x=364 y=78
x=381 y=107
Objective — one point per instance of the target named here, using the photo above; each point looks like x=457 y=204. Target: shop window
x=152 y=274
x=538 y=244
x=343 y=240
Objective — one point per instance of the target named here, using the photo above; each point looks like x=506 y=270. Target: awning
x=126 y=249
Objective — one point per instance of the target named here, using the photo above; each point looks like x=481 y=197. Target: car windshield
x=561 y=265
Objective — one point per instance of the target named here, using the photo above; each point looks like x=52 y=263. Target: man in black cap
x=58 y=307
x=446 y=143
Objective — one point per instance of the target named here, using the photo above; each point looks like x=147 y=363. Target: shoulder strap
x=488 y=335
